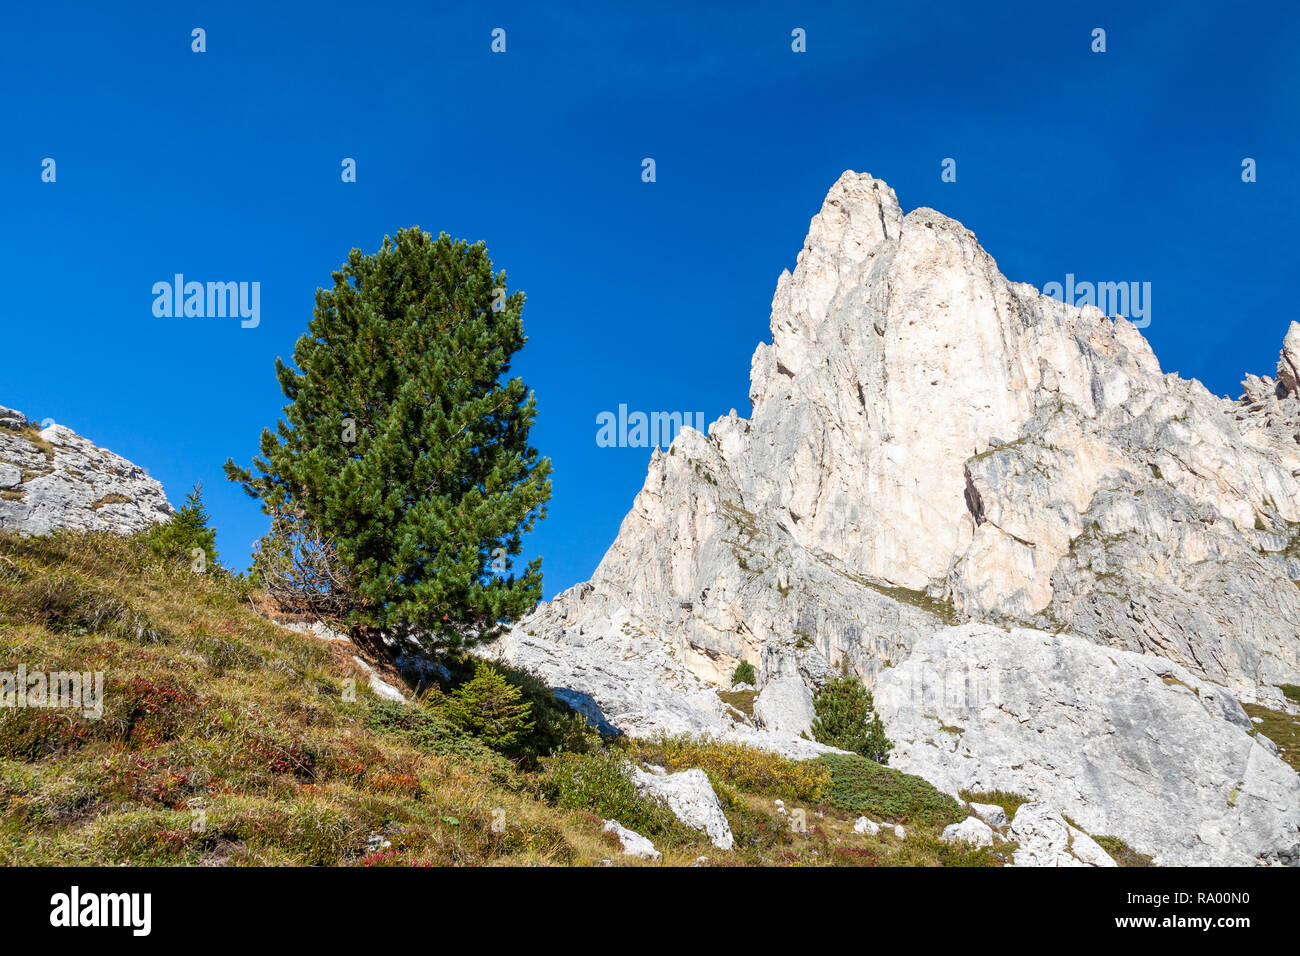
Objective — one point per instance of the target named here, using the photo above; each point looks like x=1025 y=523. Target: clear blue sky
x=225 y=166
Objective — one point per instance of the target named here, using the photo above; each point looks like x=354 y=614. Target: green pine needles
x=186 y=534
x=846 y=718
x=403 y=457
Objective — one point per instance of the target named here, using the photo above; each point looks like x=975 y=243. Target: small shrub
x=846 y=718
x=600 y=783
x=492 y=709
x=744 y=674
x=186 y=532
x=425 y=728
x=859 y=785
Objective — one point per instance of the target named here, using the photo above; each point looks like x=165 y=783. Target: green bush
x=859 y=785
x=744 y=674
x=424 y=727
x=600 y=783
x=556 y=727
x=492 y=709
x=846 y=718
x=186 y=532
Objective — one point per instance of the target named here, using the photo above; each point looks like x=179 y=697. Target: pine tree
x=846 y=718
x=185 y=532
x=404 y=447
x=491 y=708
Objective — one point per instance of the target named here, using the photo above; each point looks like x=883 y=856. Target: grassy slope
x=229 y=740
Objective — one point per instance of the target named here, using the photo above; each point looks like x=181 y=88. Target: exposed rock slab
x=1127 y=744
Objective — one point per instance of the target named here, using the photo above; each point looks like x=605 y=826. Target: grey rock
x=866 y=825
x=633 y=843
x=990 y=813
x=1127 y=744
x=690 y=796
x=1045 y=838
x=972 y=831
x=785 y=706
x=65 y=481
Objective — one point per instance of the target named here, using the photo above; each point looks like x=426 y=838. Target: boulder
x=633 y=843
x=972 y=830
x=690 y=796
x=866 y=825
x=785 y=706
x=1046 y=839
x=990 y=813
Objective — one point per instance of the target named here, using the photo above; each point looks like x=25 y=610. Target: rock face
x=932 y=444
x=1126 y=744
x=53 y=478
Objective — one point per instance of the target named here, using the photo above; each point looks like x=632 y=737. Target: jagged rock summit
x=53 y=478
x=932 y=444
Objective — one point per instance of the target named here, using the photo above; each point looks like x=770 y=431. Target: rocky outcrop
x=932 y=444
x=1046 y=838
x=690 y=796
x=1126 y=744
x=53 y=478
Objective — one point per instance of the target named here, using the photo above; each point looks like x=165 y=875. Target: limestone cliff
x=933 y=444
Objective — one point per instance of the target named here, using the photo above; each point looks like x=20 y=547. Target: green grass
x=1283 y=729
x=742 y=700
x=1121 y=852
x=1009 y=802
x=227 y=740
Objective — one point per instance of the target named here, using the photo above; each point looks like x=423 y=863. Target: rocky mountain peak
x=935 y=446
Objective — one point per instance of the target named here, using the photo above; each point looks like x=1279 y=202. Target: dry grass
x=228 y=740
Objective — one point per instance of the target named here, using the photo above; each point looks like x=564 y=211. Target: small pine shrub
x=846 y=718
x=859 y=785
x=492 y=709
x=744 y=674
x=186 y=532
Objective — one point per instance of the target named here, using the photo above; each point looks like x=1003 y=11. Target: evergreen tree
x=186 y=530
x=404 y=448
x=492 y=709
x=744 y=674
x=846 y=718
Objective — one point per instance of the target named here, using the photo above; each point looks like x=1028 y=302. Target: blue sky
x=225 y=166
